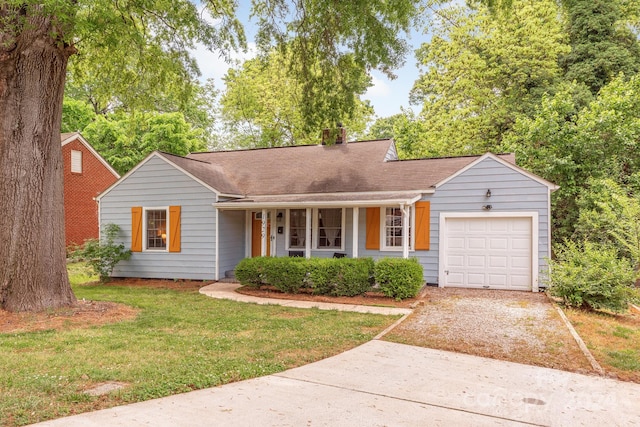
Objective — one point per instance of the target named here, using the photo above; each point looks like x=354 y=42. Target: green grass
x=80 y=273
x=180 y=341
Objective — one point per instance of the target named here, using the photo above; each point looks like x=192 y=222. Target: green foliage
x=481 y=70
x=285 y=274
x=340 y=276
x=250 y=272
x=592 y=276
x=328 y=41
x=103 y=255
x=570 y=145
x=125 y=139
x=602 y=45
x=76 y=115
x=263 y=101
x=399 y=278
x=323 y=276
x=609 y=215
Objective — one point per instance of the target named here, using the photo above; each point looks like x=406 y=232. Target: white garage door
x=493 y=253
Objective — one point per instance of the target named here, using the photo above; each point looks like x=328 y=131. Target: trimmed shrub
x=399 y=278
x=250 y=272
x=286 y=274
x=323 y=276
x=592 y=276
x=340 y=276
x=355 y=276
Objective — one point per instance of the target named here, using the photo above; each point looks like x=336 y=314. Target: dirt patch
x=520 y=327
x=83 y=314
x=181 y=284
x=370 y=298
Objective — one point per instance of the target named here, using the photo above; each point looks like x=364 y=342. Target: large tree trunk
x=33 y=62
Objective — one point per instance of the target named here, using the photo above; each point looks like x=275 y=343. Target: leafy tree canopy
x=570 y=146
x=125 y=139
x=262 y=105
x=482 y=70
x=602 y=42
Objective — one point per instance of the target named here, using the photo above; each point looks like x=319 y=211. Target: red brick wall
x=81 y=210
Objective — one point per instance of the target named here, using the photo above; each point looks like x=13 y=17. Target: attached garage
x=489 y=250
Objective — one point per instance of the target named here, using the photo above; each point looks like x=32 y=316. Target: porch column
x=356 y=216
x=307 y=240
x=264 y=237
x=405 y=230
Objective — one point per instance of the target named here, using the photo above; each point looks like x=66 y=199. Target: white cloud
x=379 y=89
x=213 y=64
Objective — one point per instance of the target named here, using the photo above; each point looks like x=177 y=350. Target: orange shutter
x=423 y=215
x=373 y=228
x=136 y=229
x=174 y=228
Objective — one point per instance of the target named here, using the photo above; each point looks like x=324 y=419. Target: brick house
x=86 y=174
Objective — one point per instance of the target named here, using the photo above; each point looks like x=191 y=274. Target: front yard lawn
x=178 y=341
x=613 y=339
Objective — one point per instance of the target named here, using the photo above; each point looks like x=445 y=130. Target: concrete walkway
x=387 y=384
x=223 y=290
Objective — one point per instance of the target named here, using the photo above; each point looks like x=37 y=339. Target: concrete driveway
x=387 y=384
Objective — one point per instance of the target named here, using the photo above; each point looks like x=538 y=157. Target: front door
x=256 y=234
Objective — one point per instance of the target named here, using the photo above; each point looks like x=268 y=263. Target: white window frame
x=288 y=231
x=76 y=161
x=383 y=230
x=316 y=232
x=145 y=248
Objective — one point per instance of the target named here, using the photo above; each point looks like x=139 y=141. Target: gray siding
x=158 y=184
x=511 y=192
x=231 y=246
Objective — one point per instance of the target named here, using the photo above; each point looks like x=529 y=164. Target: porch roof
x=323 y=200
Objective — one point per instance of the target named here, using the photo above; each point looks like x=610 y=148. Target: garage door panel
x=497 y=280
x=477 y=279
x=476 y=261
x=523 y=244
x=456 y=243
x=456 y=261
x=476 y=227
x=498 y=243
x=520 y=262
x=475 y=243
x=498 y=261
x=492 y=252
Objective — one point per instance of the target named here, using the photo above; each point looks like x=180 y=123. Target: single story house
x=472 y=221
x=86 y=175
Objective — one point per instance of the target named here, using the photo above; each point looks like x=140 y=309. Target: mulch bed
x=370 y=298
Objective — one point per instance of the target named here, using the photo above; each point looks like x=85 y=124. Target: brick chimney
x=341 y=137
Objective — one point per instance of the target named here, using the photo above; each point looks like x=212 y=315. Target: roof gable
x=502 y=159
x=66 y=138
x=172 y=160
x=353 y=168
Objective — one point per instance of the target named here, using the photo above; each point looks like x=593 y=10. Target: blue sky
x=386 y=96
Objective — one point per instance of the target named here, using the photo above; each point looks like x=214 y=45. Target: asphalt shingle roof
x=313 y=169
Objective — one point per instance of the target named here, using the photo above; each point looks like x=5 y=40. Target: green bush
x=355 y=276
x=340 y=276
x=399 y=278
x=250 y=272
x=103 y=255
x=323 y=276
x=286 y=274
x=592 y=276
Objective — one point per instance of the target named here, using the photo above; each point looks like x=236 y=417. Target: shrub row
x=398 y=278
